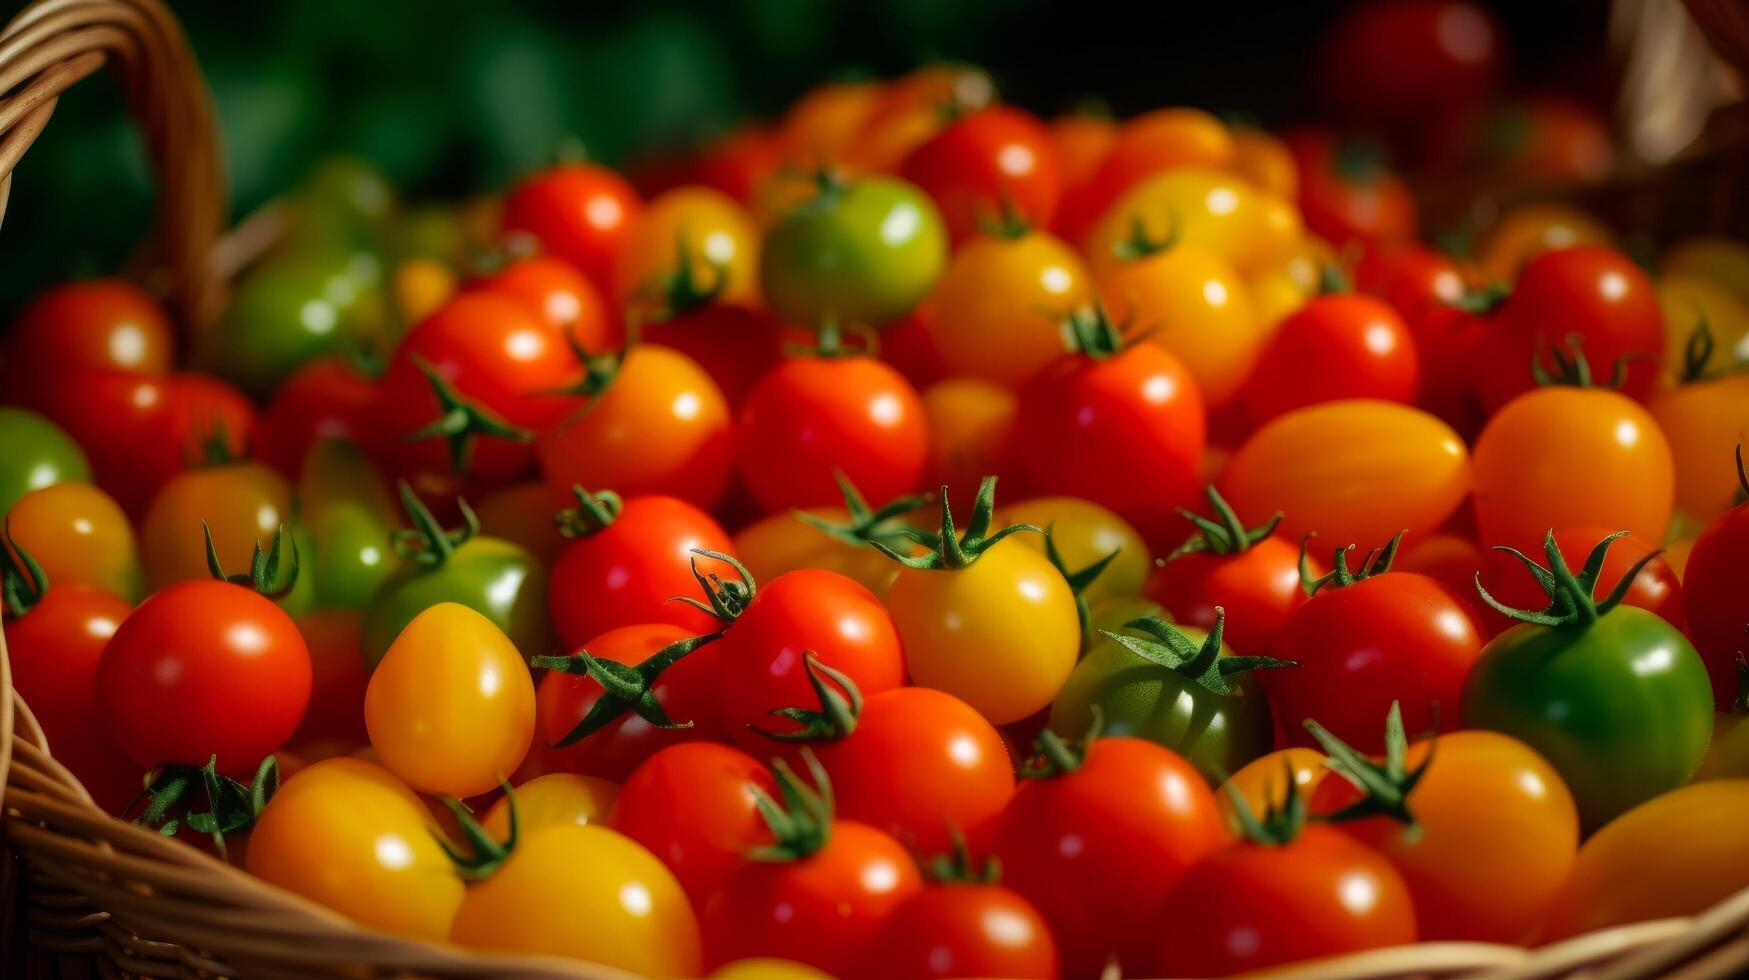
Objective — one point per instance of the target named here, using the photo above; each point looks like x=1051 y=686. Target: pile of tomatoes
x=924 y=540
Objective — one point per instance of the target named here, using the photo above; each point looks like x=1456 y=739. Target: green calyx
x=594 y=511
x=599 y=371
x=1377 y=562
x=624 y=687
x=1482 y=300
x=802 y=824
x=958 y=867
x=1740 y=704
x=1697 y=352
x=1089 y=331
x=426 y=542
x=840 y=704
x=1280 y=825
x=461 y=421
x=1359 y=160
x=271 y=574
x=1140 y=245
x=865 y=525
x=1332 y=281
x=1202 y=664
x=1007 y=223
x=231 y=807
x=726 y=600
x=1224 y=534
x=1055 y=756
x=1078 y=581
x=829 y=341
x=1742 y=477
x=23 y=583
x=484 y=854
x=949 y=548
x=684 y=290
x=1571 y=596
x=214 y=449
x=1571 y=369
x=1384 y=786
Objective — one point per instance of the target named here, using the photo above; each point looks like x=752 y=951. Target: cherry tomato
x=965 y=929
x=79 y=535
x=1402 y=63
x=705 y=226
x=39 y=454
x=864 y=252
x=1543 y=140
x=735 y=345
x=996 y=163
x=335 y=716
x=1365 y=644
x=450 y=707
x=1082 y=139
x=1083 y=533
x=242 y=504
x=970 y=421
x=1148 y=144
x=1529 y=230
x=347 y=834
x=628 y=913
x=1192 y=303
x=111 y=417
x=998 y=311
x=819 y=126
x=562 y=294
x=693 y=806
x=195 y=414
x=1655 y=587
x=232 y=663
x=98 y=324
x=660 y=426
x=1722 y=260
x=625 y=562
x=1678 y=854
x=1263 y=159
x=327 y=398
x=1336 y=346
x=1562 y=456
x=1347 y=194
x=760 y=658
x=783 y=542
x=1716 y=606
x=523 y=515
x=1587 y=294
x=742 y=163
x=556 y=799
x=1322 y=467
x=813 y=418
x=1262 y=782
x=1254 y=575
x=1125 y=431
x=686 y=692
x=1096 y=848
x=1211 y=210
x=1698 y=419
x=580 y=212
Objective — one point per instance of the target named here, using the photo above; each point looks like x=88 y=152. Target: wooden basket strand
x=85 y=894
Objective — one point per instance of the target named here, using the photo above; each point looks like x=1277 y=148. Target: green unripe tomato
x=864 y=252
x=37 y=453
x=497 y=579
x=352 y=556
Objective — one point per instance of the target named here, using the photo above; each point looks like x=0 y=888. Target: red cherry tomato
x=1125 y=431
x=627 y=571
x=1589 y=292
x=1257 y=582
x=1407 y=62
x=1097 y=849
x=327 y=398
x=1397 y=636
x=197 y=411
x=1656 y=588
x=759 y=659
x=232 y=664
x=338 y=676
x=580 y=212
x=986 y=165
x=561 y=294
x=101 y=324
x=1715 y=602
x=811 y=418
x=685 y=691
x=493 y=350
x=735 y=345
x=112 y=415
x=1336 y=346
x=692 y=805
x=741 y=164
x=1347 y=194
x=962 y=929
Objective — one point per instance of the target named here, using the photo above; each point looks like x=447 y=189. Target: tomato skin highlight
x=965 y=930
x=578 y=211
x=978 y=165
x=1258 y=587
x=1334 y=347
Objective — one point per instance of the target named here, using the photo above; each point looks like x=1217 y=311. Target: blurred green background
x=453 y=97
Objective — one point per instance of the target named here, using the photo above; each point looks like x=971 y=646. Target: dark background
x=453 y=97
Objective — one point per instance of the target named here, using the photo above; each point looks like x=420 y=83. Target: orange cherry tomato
x=715 y=235
x=1701 y=420
x=1083 y=140
x=243 y=503
x=820 y=124
x=1563 y=455
x=1190 y=302
x=969 y=423
x=1264 y=160
x=1151 y=143
x=553 y=800
x=1353 y=471
x=1532 y=229
x=1262 y=782
x=80 y=536
x=1210 y=209
x=561 y=293
x=998 y=311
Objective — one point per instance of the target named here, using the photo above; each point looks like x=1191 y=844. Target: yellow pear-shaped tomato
x=585 y=892
x=717 y=235
x=999 y=308
x=1212 y=210
x=1191 y=302
x=347 y=834
x=1354 y=471
x=1085 y=533
x=450 y=708
x=553 y=800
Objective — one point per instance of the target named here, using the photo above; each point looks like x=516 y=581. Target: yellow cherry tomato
x=763 y=968
x=1190 y=302
x=717 y=234
x=1562 y=456
x=969 y=423
x=1688 y=301
x=1084 y=533
x=347 y=834
x=1279 y=288
x=1215 y=211
x=1702 y=421
x=552 y=800
x=783 y=542
x=1355 y=471
x=1000 y=634
x=585 y=892
x=1676 y=854
x=241 y=502
x=1725 y=261
x=523 y=515
x=421 y=285
x=80 y=536
x=1264 y=160
x=1262 y=782
x=1532 y=229
x=1000 y=307
x=450 y=707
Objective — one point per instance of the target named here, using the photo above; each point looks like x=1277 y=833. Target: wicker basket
x=83 y=894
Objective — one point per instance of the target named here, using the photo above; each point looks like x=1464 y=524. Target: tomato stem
x=838 y=712
x=1377 y=562
x=1078 y=582
x=1385 y=787
x=624 y=687
x=232 y=807
x=426 y=542
x=958 y=867
x=724 y=600
x=460 y=421
x=949 y=549
x=802 y=824
x=1139 y=245
x=865 y=525
x=485 y=854
x=1056 y=757
x=23 y=583
x=1166 y=646
x=1280 y=825
x=272 y=574
x=594 y=512
x=1571 y=595
x=1224 y=534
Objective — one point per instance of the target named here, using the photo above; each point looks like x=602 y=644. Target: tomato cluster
x=624 y=578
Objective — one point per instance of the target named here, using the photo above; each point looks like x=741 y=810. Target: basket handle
x=53 y=44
